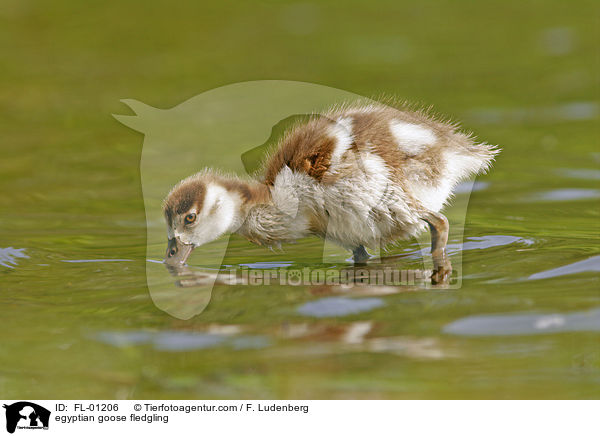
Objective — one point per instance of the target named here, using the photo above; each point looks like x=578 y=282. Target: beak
x=177 y=252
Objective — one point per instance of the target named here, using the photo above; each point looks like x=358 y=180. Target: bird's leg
x=360 y=255
x=438 y=226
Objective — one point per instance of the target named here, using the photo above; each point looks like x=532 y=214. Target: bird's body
x=357 y=176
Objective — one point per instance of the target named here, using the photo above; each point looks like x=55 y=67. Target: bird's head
x=199 y=210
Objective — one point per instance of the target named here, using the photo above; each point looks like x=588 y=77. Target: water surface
x=78 y=320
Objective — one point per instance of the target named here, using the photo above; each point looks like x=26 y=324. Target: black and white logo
x=26 y=415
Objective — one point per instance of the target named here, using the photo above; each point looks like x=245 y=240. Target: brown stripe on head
x=190 y=192
x=184 y=196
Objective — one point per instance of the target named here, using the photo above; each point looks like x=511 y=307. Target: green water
x=524 y=324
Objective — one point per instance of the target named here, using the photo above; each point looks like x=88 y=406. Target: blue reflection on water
x=339 y=306
x=588 y=265
x=525 y=324
x=9 y=255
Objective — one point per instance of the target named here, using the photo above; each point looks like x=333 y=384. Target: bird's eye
x=190 y=218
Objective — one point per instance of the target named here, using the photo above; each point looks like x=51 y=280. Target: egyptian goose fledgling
x=359 y=176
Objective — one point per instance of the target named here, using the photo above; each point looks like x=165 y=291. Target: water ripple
x=180 y=340
x=9 y=254
x=466 y=187
x=567 y=194
x=266 y=265
x=525 y=324
x=580 y=173
x=339 y=306
x=475 y=243
x=588 y=265
x=95 y=260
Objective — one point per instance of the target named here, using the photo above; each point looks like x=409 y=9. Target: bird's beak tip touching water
x=177 y=252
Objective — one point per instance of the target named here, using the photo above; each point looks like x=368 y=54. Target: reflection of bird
x=358 y=176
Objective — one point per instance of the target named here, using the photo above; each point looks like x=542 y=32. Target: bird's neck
x=262 y=221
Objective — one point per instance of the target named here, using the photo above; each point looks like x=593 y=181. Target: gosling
x=359 y=176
